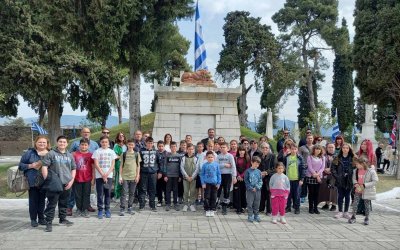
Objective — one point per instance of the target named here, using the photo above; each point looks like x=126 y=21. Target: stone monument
x=269 y=131
x=195 y=106
x=368 y=127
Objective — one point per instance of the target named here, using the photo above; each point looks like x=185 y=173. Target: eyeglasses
x=106 y=132
x=245 y=143
x=286 y=133
x=308 y=133
x=319 y=140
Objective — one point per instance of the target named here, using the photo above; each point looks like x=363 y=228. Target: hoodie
x=61 y=163
x=222 y=159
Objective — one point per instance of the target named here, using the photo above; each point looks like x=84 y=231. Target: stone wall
x=194 y=109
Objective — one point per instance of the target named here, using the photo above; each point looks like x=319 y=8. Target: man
x=211 y=137
x=267 y=168
x=188 y=139
x=106 y=132
x=139 y=142
x=305 y=151
x=379 y=154
x=281 y=141
x=254 y=151
x=62 y=165
x=85 y=133
x=303 y=141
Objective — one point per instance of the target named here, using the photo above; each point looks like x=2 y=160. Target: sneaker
x=192 y=208
x=250 y=218
x=333 y=208
x=176 y=207
x=325 y=207
x=49 y=228
x=212 y=213
x=78 y=213
x=34 y=223
x=274 y=220
x=167 y=207
x=257 y=218
x=185 y=208
x=141 y=208
x=65 y=222
x=42 y=222
x=302 y=200
x=121 y=212
x=316 y=211
x=208 y=213
x=283 y=220
x=130 y=211
x=352 y=220
x=288 y=210
x=346 y=215
x=297 y=211
x=339 y=215
x=311 y=211
x=159 y=204
x=108 y=213
x=100 y=214
x=85 y=214
x=69 y=211
x=180 y=200
x=154 y=209
x=224 y=210
x=366 y=221
x=268 y=214
x=90 y=209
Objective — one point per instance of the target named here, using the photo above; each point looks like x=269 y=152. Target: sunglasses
x=286 y=133
x=104 y=132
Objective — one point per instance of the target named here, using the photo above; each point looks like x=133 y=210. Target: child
x=210 y=181
x=253 y=181
x=182 y=151
x=171 y=173
x=83 y=178
x=364 y=180
x=279 y=185
x=201 y=157
x=315 y=167
x=295 y=171
x=161 y=188
x=189 y=172
x=129 y=176
x=239 y=189
x=227 y=165
x=104 y=161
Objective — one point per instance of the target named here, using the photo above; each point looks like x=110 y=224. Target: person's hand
x=159 y=176
x=165 y=178
x=234 y=180
x=203 y=186
x=228 y=165
x=120 y=181
x=137 y=178
x=300 y=183
x=105 y=179
x=327 y=170
x=69 y=185
x=356 y=185
x=318 y=179
x=217 y=186
x=93 y=181
x=254 y=190
x=189 y=179
x=179 y=179
x=239 y=178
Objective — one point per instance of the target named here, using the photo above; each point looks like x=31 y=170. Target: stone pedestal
x=296 y=133
x=269 y=132
x=368 y=127
x=193 y=109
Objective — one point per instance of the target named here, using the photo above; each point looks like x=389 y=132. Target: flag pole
x=32 y=137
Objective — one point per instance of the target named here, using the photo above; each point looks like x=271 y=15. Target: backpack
x=124 y=158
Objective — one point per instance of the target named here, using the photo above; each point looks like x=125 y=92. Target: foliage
x=359 y=118
x=303 y=111
x=384 y=118
x=262 y=121
x=17 y=122
x=322 y=115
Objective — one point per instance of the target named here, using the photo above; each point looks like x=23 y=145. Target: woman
x=31 y=164
x=315 y=168
x=342 y=171
x=286 y=150
x=339 y=141
x=327 y=192
x=119 y=149
x=242 y=160
x=167 y=142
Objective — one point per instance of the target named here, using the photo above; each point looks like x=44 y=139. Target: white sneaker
x=208 y=213
x=274 y=220
x=339 y=215
x=185 y=208
x=212 y=214
x=346 y=215
x=283 y=220
x=192 y=208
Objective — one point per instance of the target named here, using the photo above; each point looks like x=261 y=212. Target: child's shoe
x=121 y=212
x=339 y=215
x=352 y=220
x=274 y=220
x=250 y=218
x=283 y=220
x=257 y=218
x=85 y=214
x=208 y=213
x=159 y=204
x=192 y=208
x=167 y=207
x=130 y=211
x=366 y=221
x=346 y=215
x=100 y=214
x=212 y=213
x=108 y=214
x=185 y=208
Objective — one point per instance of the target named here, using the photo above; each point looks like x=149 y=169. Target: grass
x=386 y=183
x=4 y=191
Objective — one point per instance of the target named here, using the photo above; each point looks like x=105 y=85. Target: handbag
x=39 y=180
x=53 y=182
x=17 y=181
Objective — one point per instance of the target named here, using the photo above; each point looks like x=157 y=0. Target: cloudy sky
x=212 y=14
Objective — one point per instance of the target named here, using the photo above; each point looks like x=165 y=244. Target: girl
x=364 y=180
x=119 y=149
x=242 y=161
x=315 y=167
x=31 y=163
x=342 y=171
x=367 y=151
x=167 y=142
x=387 y=157
x=280 y=187
x=339 y=141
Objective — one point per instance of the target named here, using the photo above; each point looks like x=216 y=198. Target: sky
x=212 y=15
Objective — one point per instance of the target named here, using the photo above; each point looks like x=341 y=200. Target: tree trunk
x=243 y=101
x=397 y=140
x=42 y=112
x=54 y=115
x=134 y=101
x=119 y=105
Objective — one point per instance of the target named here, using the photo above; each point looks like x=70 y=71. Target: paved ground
x=178 y=230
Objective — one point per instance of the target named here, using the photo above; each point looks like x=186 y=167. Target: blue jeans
x=294 y=195
x=344 y=193
x=147 y=185
x=102 y=191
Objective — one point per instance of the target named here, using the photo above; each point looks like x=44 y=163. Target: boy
x=295 y=171
x=148 y=171
x=171 y=173
x=62 y=163
x=201 y=157
x=189 y=172
x=253 y=181
x=182 y=151
x=161 y=188
x=83 y=178
x=104 y=161
x=210 y=181
x=129 y=176
x=227 y=166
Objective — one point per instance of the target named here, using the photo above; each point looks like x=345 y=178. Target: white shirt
x=105 y=158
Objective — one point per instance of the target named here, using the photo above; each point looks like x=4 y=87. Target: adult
x=339 y=141
x=139 y=142
x=267 y=168
x=167 y=142
x=30 y=164
x=305 y=151
x=211 y=137
x=367 y=151
x=265 y=139
x=60 y=163
x=233 y=147
x=85 y=134
x=379 y=153
x=119 y=149
x=285 y=150
x=281 y=142
x=93 y=145
x=106 y=132
x=303 y=141
x=254 y=150
x=188 y=139
x=245 y=143
x=328 y=192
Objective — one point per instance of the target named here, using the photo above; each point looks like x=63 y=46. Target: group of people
x=242 y=174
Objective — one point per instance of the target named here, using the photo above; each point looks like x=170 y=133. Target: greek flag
x=200 y=54
x=335 y=129
x=36 y=127
x=353 y=135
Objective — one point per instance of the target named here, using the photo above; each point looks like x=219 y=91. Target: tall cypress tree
x=342 y=84
x=304 y=104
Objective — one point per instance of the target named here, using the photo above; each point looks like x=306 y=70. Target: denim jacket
x=27 y=158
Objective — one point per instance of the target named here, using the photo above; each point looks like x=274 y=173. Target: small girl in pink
x=279 y=185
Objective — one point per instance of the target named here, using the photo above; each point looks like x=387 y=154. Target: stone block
x=230 y=111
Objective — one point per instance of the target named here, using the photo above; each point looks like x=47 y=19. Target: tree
x=343 y=87
x=306 y=23
x=249 y=45
x=376 y=59
x=359 y=117
x=384 y=118
x=304 y=106
x=17 y=122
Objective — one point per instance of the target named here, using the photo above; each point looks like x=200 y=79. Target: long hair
x=369 y=151
x=351 y=153
x=117 y=140
x=246 y=154
x=336 y=141
x=315 y=147
x=165 y=138
x=42 y=137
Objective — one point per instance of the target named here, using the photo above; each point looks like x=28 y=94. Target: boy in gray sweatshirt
x=172 y=174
